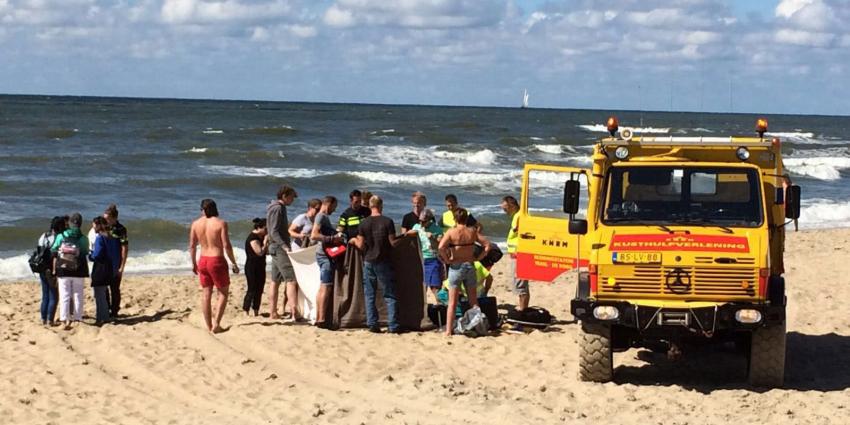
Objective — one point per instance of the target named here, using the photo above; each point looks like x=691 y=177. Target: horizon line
x=201 y=99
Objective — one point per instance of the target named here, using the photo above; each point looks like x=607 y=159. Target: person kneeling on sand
x=457 y=250
x=211 y=232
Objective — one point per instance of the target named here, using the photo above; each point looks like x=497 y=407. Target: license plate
x=636 y=257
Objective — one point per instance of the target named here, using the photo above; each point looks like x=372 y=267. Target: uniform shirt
x=449 y=221
x=513 y=236
x=351 y=218
x=376 y=231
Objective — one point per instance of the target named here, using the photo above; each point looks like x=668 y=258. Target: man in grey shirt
x=279 y=244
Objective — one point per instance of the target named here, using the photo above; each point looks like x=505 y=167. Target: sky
x=757 y=56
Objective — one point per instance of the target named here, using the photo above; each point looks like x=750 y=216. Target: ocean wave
x=422 y=158
x=552 y=149
x=599 y=128
x=459 y=179
x=213 y=131
x=175 y=260
x=196 y=150
x=298 y=173
x=481 y=157
x=821 y=168
x=823 y=213
x=791 y=134
x=270 y=131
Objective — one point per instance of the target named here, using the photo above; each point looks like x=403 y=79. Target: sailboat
x=525 y=98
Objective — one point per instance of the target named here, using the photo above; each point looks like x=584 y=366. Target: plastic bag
x=473 y=323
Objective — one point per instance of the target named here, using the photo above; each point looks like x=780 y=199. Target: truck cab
x=675 y=239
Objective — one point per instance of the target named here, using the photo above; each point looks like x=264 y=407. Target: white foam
x=825 y=213
x=791 y=134
x=197 y=150
x=213 y=131
x=175 y=260
x=482 y=157
x=459 y=179
x=385 y=131
x=552 y=149
x=821 y=168
x=702 y=130
x=599 y=128
x=298 y=173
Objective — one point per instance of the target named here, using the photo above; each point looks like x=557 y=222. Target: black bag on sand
x=533 y=317
x=437 y=314
x=490 y=309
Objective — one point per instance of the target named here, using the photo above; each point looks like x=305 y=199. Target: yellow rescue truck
x=676 y=238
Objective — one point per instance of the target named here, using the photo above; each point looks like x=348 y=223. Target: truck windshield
x=683 y=195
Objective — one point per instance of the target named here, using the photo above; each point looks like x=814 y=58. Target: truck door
x=545 y=248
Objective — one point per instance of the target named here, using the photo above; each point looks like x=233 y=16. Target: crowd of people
x=66 y=252
x=456 y=257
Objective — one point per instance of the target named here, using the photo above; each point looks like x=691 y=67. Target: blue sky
x=762 y=56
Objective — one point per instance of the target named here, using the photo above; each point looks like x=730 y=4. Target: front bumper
x=706 y=320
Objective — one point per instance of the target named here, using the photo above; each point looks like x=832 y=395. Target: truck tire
x=767 y=357
x=596 y=361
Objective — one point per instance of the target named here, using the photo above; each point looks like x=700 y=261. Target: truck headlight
x=747 y=315
x=743 y=153
x=622 y=152
x=606 y=312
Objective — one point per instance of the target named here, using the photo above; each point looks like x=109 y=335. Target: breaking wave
x=821 y=168
x=298 y=173
x=599 y=128
x=824 y=213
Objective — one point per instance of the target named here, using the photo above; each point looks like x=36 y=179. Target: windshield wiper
x=703 y=220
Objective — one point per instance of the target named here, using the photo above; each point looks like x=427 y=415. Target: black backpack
x=492 y=257
x=533 y=317
x=41 y=259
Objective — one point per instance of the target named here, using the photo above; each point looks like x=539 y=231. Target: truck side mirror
x=578 y=227
x=792 y=202
x=571 y=194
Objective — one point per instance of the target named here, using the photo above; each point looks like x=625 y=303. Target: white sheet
x=307 y=274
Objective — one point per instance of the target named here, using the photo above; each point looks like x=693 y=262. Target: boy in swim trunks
x=457 y=249
x=211 y=232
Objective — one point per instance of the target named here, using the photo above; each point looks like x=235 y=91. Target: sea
x=157 y=158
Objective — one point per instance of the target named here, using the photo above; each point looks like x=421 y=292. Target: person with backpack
x=106 y=261
x=70 y=266
x=41 y=262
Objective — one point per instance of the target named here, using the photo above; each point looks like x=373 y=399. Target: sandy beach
x=160 y=366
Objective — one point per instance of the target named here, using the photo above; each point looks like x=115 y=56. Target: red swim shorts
x=213 y=271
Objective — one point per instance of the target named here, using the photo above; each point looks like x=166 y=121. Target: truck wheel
x=596 y=363
x=767 y=356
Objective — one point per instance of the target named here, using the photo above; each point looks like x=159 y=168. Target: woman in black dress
x=256 y=248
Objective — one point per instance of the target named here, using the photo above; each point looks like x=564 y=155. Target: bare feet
x=217 y=330
x=274 y=316
x=67 y=326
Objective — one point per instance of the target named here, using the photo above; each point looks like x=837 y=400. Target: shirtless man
x=457 y=249
x=211 y=232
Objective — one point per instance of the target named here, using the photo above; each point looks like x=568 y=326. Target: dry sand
x=159 y=365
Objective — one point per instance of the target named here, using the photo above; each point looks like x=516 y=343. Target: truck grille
x=694 y=282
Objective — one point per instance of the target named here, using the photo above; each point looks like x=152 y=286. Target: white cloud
x=787 y=8
x=215 y=11
x=420 y=14
x=804 y=38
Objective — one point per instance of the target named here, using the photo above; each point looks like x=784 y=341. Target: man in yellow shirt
x=447 y=220
x=511 y=207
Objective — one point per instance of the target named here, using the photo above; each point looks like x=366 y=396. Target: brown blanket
x=349 y=300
